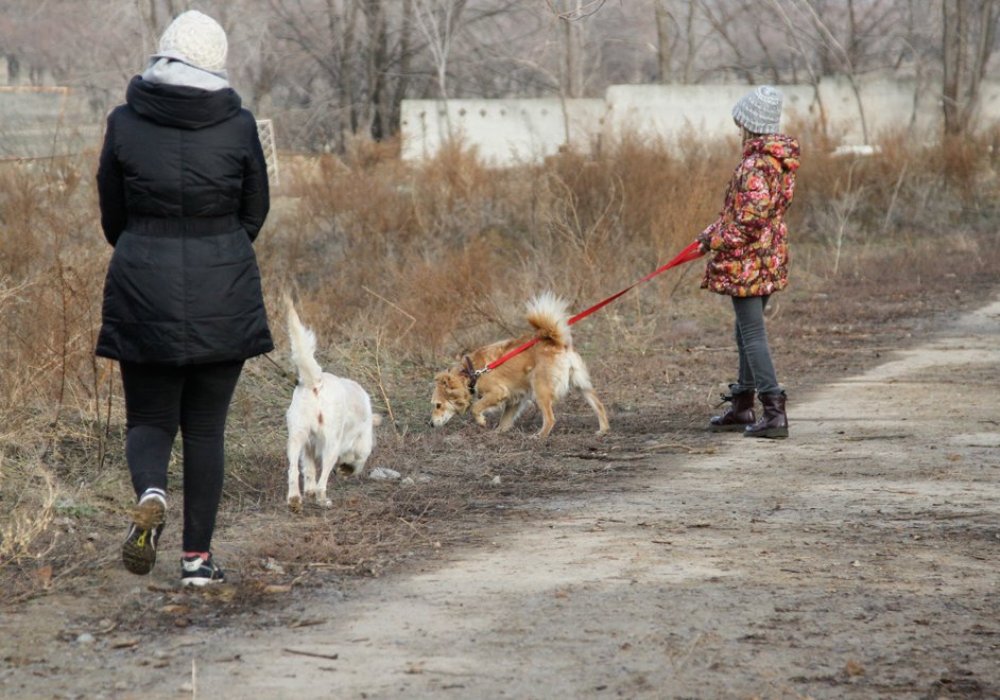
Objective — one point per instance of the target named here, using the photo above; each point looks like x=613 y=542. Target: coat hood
x=181 y=106
x=783 y=149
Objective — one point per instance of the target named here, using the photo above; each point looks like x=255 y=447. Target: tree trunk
x=376 y=68
x=574 y=56
x=691 y=42
x=966 y=47
x=953 y=56
x=156 y=15
x=403 y=67
x=664 y=44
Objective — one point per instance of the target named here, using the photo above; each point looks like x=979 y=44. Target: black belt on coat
x=183 y=225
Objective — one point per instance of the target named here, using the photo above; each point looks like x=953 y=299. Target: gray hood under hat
x=759 y=111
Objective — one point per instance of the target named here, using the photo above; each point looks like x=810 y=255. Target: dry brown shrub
x=399 y=267
x=671 y=196
x=27 y=511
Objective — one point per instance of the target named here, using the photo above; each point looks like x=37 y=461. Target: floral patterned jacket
x=748 y=243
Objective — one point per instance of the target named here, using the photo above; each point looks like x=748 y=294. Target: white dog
x=330 y=421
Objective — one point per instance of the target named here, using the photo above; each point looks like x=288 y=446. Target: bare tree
x=572 y=10
x=376 y=66
x=847 y=38
x=733 y=35
x=437 y=21
x=333 y=68
x=406 y=53
x=968 y=38
x=692 y=42
x=156 y=15
x=573 y=36
x=512 y=52
x=688 y=36
x=665 y=37
x=830 y=44
x=353 y=56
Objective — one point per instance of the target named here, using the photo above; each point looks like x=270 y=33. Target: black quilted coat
x=183 y=193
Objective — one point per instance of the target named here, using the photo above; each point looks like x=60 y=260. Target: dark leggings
x=195 y=398
x=756 y=367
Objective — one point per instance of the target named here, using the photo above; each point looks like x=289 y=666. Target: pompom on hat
x=759 y=111
x=196 y=39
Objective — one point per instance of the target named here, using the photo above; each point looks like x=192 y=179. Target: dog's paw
x=295 y=504
x=318 y=500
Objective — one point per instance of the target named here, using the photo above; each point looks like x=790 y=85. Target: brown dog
x=544 y=373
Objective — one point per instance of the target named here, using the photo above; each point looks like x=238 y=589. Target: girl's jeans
x=756 y=368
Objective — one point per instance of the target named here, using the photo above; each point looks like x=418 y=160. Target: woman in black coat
x=183 y=192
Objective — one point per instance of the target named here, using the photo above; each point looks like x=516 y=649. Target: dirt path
x=858 y=559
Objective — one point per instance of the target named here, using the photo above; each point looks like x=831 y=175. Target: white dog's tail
x=549 y=315
x=303 y=343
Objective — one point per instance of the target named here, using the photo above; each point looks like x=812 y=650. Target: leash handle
x=691 y=252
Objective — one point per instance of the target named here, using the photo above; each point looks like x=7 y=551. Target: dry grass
x=398 y=268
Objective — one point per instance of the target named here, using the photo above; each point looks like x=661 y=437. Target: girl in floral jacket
x=748 y=247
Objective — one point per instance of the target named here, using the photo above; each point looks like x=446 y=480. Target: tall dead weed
x=399 y=267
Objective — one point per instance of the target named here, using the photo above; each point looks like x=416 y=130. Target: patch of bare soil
x=857 y=559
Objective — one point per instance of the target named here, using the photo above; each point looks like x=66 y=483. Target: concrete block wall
x=508 y=132
x=503 y=132
x=671 y=112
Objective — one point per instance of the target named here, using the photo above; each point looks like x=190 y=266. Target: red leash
x=692 y=252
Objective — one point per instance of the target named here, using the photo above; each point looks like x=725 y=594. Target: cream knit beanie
x=196 y=39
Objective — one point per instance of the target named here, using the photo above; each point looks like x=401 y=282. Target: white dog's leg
x=328 y=461
x=309 y=473
x=295 y=445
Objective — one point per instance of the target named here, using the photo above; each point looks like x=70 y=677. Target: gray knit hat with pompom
x=759 y=111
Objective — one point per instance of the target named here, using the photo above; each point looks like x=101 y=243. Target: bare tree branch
x=582 y=10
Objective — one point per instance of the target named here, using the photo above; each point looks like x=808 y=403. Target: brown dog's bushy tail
x=303 y=342
x=549 y=316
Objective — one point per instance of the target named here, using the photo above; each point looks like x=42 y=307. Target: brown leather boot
x=739 y=414
x=774 y=422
